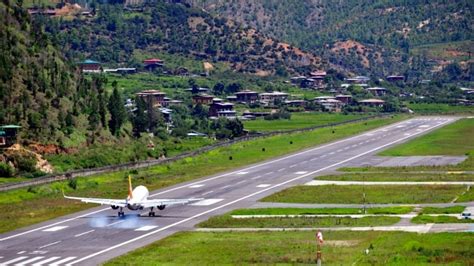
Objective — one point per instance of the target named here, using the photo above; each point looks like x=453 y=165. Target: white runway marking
x=29 y=261
x=62 y=261
x=39 y=263
x=301 y=172
x=206 y=202
x=264 y=185
x=195 y=186
x=241 y=182
x=55 y=228
x=269 y=173
x=293 y=165
x=209 y=192
x=224 y=187
x=21 y=252
x=281 y=169
x=146 y=228
x=257 y=177
x=241 y=198
x=50 y=244
x=85 y=233
x=242 y=173
x=424 y=126
x=14 y=260
x=115 y=223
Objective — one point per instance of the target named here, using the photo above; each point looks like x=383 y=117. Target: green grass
x=443 y=219
x=398 y=176
x=45 y=202
x=439 y=108
x=454 y=139
x=445 y=210
x=290 y=248
x=298 y=120
x=374 y=194
x=468 y=196
x=302 y=211
x=226 y=221
x=440 y=51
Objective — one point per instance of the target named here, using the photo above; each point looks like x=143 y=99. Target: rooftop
x=151 y=92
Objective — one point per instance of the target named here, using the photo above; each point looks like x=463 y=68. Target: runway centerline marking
x=243 y=198
x=206 y=202
x=146 y=228
x=256 y=177
x=115 y=223
x=85 y=233
x=56 y=228
x=360 y=135
x=21 y=252
x=209 y=192
x=50 y=244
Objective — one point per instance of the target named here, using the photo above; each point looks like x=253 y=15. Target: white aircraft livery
x=137 y=200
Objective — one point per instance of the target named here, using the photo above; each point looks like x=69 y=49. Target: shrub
x=6 y=170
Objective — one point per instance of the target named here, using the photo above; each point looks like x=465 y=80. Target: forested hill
x=124 y=35
x=39 y=89
x=371 y=35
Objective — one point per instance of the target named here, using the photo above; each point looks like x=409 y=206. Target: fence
x=143 y=164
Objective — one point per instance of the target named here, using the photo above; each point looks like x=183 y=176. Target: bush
x=6 y=170
x=26 y=164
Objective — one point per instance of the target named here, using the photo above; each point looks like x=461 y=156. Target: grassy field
x=301 y=211
x=439 y=108
x=298 y=120
x=398 y=176
x=456 y=51
x=426 y=219
x=373 y=194
x=226 y=221
x=41 y=203
x=289 y=248
x=454 y=139
x=468 y=196
x=446 y=210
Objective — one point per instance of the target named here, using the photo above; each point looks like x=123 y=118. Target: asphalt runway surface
x=96 y=235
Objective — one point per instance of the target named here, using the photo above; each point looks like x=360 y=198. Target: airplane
x=137 y=199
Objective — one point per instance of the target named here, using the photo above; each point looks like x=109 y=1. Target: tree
x=139 y=120
x=218 y=88
x=117 y=111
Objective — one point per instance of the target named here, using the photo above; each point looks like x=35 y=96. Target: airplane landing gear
x=151 y=213
x=121 y=213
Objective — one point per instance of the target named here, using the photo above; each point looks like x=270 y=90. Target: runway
x=97 y=235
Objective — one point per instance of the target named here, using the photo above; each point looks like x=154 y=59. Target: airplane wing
x=114 y=202
x=165 y=202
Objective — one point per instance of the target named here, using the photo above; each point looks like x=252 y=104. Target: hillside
x=119 y=35
x=389 y=29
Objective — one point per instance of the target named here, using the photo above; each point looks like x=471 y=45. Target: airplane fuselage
x=139 y=194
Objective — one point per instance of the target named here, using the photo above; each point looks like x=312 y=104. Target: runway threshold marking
x=14 y=260
x=26 y=262
x=361 y=135
x=243 y=198
x=55 y=228
x=39 y=263
x=62 y=261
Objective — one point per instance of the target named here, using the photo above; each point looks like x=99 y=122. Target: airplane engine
x=161 y=207
x=114 y=207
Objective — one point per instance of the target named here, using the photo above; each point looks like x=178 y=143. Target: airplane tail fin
x=130 y=189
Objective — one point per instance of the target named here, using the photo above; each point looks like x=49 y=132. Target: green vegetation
x=468 y=196
x=226 y=221
x=398 y=176
x=340 y=248
x=439 y=108
x=442 y=219
x=401 y=194
x=456 y=51
x=302 y=211
x=453 y=139
x=298 y=120
x=45 y=202
x=445 y=210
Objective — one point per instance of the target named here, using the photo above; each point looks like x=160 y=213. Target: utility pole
x=319 y=241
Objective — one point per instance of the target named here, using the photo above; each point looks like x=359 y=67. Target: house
x=295 y=103
x=231 y=98
x=8 y=134
x=200 y=90
x=377 y=91
x=246 y=96
x=153 y=63
x=155 y=98
x=395 y=78
x=318 y=74
x=358 y=80
x=272 y=97
x=202 y=98
x=331 y=105
x=319 y=98
x=297 y=80
x=90 y=66
x=345 y=99
x=372 y=102
x=221 y=109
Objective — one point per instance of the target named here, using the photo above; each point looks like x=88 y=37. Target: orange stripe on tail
x=130 y=189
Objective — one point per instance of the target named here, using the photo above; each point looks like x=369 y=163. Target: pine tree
x=117 y=111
